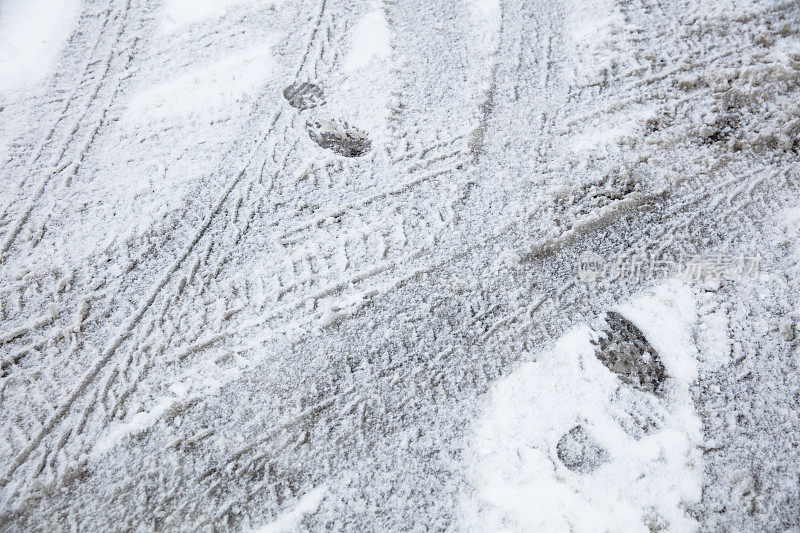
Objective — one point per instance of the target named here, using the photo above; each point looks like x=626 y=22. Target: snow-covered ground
x=272 y=265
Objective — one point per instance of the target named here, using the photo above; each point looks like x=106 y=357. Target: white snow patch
x=599 y=140
x=789 y=228
x=589 y=18
x=791 y=216
x=138 y=423
x=172 y=130
x=590 y=28
x=290 y=521
x=485 y=18
x=362 y=95
x=489 y=11
x=713 y=340
x=370 y=41
x=665 y=315
x=179 y=13
x=5 y=141
x=486 y=14
x=32 y=34
x=520 y=482
x=209 y=92
x=589 y=141
x=203 y=380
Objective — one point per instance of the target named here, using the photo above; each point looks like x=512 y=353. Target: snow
x=32 y=35
x=205 y=93
x=791 y=217
x=177 y=14
x=592 y=26
x=194 y=102
x=290 y=520
x=488 y=13
x=369 y=42
x=591 y=19
x=520 y=483
x=206 y=380
x=487 y=20
x=666 y=315
x=260 y=263
x=137 y=423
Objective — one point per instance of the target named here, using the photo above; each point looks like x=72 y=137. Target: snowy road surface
x=280 y=264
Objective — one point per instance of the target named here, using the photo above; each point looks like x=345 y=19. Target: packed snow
x=370 y=41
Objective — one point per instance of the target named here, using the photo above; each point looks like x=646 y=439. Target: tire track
x=72 y=128
x=345 y=405
x=534 y=322
x=131 y=324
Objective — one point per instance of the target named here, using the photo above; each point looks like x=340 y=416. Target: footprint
x=339 y=137
x=562 y=446
x=638 y=413
x=304 y=95
x=579 y=451
x=624 y=350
